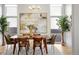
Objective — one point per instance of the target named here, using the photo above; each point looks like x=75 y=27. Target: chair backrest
x=53 y=37
x=23 y=41
x=35 y=34
x=37 y=41
x=7 y=38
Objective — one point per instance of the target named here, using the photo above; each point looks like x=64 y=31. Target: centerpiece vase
x=31 y=32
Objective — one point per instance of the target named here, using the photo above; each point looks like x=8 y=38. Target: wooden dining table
x=15 y=39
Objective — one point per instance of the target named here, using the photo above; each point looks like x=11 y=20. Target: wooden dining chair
x=23 y=42
x=37 y=43
x=52 y=41
x=9 y=41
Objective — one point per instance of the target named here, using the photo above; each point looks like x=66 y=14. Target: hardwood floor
x=64 y=50
x=1 y=49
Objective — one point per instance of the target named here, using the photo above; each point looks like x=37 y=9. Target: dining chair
x=23 y=42
x=37 y=43
x=52 y=41
x=9 y=41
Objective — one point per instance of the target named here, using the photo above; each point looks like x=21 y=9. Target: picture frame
x=37 y=19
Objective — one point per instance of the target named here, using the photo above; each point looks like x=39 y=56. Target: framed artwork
x=38 y=20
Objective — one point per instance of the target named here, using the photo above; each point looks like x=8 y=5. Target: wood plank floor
x=59 y=50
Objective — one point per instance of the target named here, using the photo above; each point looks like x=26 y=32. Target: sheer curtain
x=0 y=16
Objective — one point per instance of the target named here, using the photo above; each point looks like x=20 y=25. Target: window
x=0 y=10
x=12 y=22
x=54 y=23
x=55 y=12
x=11 y=10
x=11 y=13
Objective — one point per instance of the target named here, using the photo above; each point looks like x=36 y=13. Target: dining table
x=16 y=37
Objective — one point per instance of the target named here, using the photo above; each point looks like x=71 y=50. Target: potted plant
x=3 y=27
x=31 y=28
x=64 y=25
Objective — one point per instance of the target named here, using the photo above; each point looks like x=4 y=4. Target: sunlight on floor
x=63 y=49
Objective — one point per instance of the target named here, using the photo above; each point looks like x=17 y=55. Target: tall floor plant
x=64 y=25
x=3 y=27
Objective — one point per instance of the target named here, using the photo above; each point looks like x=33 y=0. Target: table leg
x=45 y=45
x=14 y=47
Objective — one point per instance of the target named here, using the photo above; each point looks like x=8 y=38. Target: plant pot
x=3 y=42
x=62 y=39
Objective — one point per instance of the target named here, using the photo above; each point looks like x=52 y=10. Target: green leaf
x=63 y=23
x=3 y=23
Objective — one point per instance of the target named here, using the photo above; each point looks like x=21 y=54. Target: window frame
x=1 y=10
x=62 y=13
x=5 y=6
x=57 y=5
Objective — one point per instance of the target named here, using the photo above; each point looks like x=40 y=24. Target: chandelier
x=34 y=7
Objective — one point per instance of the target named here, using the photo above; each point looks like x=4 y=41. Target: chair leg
x=19 y=50
x=28 y=46
x=52 y=48
x=6 y=49
x=41 y=50
x=33 y=50
x=26 y=50
x=11 y=46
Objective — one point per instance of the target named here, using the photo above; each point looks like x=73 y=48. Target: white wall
x=46 y=7
x=68 y=39
x=0 y=39
x=68 y=35
x=75 y=28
